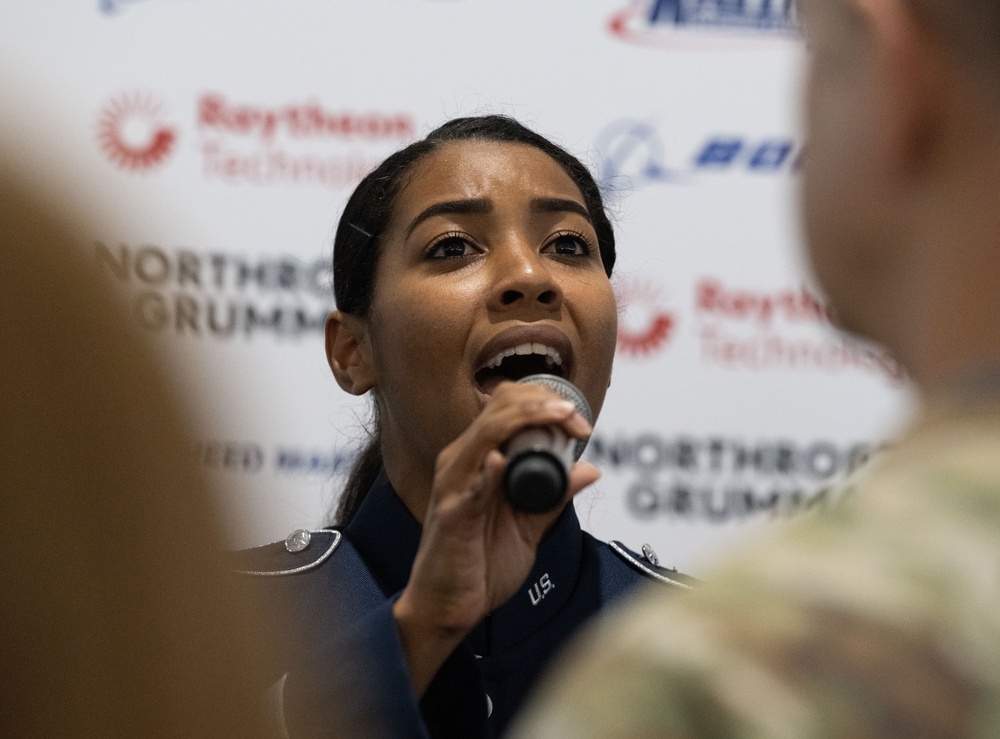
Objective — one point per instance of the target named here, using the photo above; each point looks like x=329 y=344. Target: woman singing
x=463 y=263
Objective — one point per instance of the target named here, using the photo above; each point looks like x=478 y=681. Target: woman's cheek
x=600 y=321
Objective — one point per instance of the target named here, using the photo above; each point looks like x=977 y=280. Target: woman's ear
x=349 y=352
x=912 y=70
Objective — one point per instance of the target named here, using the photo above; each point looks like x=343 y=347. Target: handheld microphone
x=539 y=457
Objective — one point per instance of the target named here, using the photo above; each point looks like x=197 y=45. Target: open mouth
x=518 y=362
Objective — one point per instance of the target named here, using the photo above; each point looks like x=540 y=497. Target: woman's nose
x=523 y=279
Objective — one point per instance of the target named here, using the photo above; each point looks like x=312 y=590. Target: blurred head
x=116 y=617
x=901 y=116
x=482 y=237
x=848 y=238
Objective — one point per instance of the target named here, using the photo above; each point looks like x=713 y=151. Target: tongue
x=512 y=369
x=489 y=383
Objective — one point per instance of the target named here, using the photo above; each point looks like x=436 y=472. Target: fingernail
x=560 y=406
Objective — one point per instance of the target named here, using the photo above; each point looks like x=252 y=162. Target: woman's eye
x=571 y=246
x=451 y=247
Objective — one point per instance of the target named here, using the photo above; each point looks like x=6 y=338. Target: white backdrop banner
x=227 y=137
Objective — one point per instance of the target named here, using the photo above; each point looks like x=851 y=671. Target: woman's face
x=490 y=252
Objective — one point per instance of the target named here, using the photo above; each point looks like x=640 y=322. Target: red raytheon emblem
x=645 y=327
x=133 y=133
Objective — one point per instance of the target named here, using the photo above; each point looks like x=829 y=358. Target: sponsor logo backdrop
x=226 y=139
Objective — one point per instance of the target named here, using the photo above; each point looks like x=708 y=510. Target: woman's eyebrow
x=450 y=207
x=559 y=205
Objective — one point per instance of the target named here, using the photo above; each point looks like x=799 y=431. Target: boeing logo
x=662 y=22
x=633 y=155
x=633 y=151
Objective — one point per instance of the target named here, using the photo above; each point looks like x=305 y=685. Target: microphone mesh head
x=569 y=391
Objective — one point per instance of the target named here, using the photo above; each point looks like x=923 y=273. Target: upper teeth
x=550 y=354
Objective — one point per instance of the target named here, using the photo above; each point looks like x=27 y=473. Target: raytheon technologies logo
x=645 y=325
x=133 y=132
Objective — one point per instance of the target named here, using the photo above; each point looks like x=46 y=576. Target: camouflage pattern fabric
x=878 y=620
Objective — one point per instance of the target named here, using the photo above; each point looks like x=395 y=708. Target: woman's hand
x=475 y=550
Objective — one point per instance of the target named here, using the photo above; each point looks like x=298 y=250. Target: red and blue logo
x=678 y=23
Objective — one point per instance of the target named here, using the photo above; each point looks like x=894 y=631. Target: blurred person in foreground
x=882 y=620
x=116 y=620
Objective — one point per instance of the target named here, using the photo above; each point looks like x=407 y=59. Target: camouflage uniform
x=880 y=619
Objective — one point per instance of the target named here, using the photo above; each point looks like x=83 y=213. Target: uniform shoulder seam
x=618 y=548
x=337 y=538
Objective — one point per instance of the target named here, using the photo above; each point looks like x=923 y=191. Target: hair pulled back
x=366 y=216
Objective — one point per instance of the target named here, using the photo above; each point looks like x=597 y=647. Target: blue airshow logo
x=114 y=7
x=670 y=23
x=633 y=155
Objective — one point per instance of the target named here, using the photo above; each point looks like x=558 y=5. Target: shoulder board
x=301 y=552
x=642 y=565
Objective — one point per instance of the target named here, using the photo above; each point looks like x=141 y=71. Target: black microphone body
x=539 y=457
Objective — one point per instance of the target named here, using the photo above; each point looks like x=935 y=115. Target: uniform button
x=298 y=541
x=489 y=706
x=650 y=555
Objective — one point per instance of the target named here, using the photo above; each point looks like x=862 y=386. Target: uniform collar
x=543 y=594
x=387 y=535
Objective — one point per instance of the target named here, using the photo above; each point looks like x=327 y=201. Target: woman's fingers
x=475 y=549
x=582 y=475
x=468 y=520
x=493 y=467
x=512 y=408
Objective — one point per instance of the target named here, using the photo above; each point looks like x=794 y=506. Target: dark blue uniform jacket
x=346 y=663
